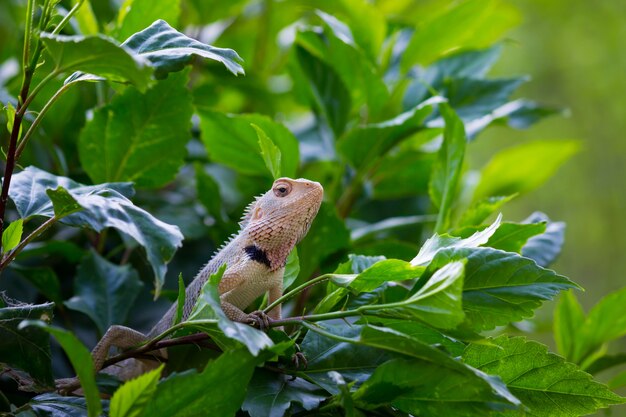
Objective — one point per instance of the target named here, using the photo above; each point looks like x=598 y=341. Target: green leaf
x=180 y=302
x=223 y=379
x=467 y=24
x=86 y=18
x=231 y=140
x=478 y=212
x=336 y=47
x=292 y=269
x=511 y=237
x=444 y=180
x=535 y=162
x=139 y=137
x=328 y=93
x=543 y=381
x=270 y=153
x=328 y=235
x=355 y=362
x=104 y=291
x=168 y=50
x=501 y=287
x=428 y=389
x=569 y=319
x=364 y=145
x=12 y=235
x=402 y=174
x=105 y=205
x=271 y=394
x=586 y=335
x=438 y=242
x=49 y=404
x=379 y=273
x=63 y=203
x=98 y=55
x=27 y=349
x=43 y=278
x=133 y=397
x=208 y=192
x=81 y=362
x=208 y=306
x=10 y=111
x=545 y=248
x=135 y=15
x=437 y=302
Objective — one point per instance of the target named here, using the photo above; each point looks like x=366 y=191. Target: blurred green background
x=575 y=52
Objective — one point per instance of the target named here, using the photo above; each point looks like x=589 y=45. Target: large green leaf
x=501 y=287
x=270 y=394
x=569 y=319
x=100 y=56
x=232 y=141
x=168 y=50
x=511 y=237
x=136 y=15
x=543 y=381
x=444 y=180
x=429 y=389
x=219 y=390
x=208 y=306
x=27 y=349
x=104 y=291
x=468 y=24
x=363 y=145
x=81 y=361
x=377 y=274
x=139 y=137
x=132 y=397
x=104 y=205
x=534 y=163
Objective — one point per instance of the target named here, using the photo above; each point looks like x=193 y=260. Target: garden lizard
x=255 y=263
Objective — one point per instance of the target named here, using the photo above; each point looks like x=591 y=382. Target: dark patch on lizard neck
x=258 y=255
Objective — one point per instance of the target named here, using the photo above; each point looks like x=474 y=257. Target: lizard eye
x=282 y=189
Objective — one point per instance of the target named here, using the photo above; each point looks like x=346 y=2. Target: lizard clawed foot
x=259 y=319
x=67 y=386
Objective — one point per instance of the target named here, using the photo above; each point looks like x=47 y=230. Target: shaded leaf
x=49 y=404
x=27 y=349
x=139 y=137
x=543 y=381
x=168 y=50
x=569 y=318
x=292 y=269
x=271 y=394
x=43 y=278
x=104 y=291
x=105 y=205
x=478 y=212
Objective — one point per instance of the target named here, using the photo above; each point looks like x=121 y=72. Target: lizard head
x=281 y=217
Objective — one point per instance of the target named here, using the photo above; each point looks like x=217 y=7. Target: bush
x=132 y=136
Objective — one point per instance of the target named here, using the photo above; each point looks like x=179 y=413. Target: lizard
x=255 y=260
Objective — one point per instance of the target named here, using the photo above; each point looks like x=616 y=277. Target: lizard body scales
x=255 y=257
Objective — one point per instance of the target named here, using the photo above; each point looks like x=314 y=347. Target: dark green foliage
x=380 y=105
